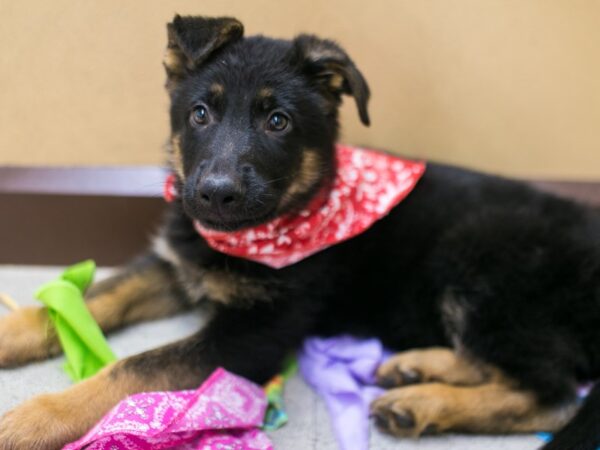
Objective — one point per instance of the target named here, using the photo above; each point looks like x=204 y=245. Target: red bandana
x=367 y=186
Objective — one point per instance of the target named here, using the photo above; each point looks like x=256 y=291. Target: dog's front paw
x=412 y=411
x=434 y=364
x=42 y=423
x=25 y=336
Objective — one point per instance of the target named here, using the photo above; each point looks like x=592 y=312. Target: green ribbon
x=83 y=343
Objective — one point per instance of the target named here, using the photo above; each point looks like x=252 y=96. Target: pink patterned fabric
x=223 y=413
x=367 y=186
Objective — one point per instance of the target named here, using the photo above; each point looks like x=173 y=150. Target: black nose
x=219 y=191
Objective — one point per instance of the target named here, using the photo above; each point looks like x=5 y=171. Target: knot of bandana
x=368 y=184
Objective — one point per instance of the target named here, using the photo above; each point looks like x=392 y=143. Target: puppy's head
x=254 y=120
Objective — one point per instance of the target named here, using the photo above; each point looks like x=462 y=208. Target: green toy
x=83 y=343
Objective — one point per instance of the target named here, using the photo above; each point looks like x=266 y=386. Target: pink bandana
x=224 y=413
x=367 y=186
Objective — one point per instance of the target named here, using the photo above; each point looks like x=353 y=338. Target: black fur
x=523 y=267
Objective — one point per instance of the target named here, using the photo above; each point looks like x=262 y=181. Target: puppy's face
x=254 y=120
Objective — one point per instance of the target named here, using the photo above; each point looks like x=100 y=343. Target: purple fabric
x=342 y=371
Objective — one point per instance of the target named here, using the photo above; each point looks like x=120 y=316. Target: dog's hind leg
x=143 y=290
x=487 y=408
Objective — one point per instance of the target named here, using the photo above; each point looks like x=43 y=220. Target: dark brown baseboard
x=62 y=229
x=63 y=215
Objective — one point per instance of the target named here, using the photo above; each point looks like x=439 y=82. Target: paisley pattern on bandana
x=367 y=186
x=223 y=413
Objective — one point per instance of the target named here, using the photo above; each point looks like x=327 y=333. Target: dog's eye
x=199 y=115
x=277 y=122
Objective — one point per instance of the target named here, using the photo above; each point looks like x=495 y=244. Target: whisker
x=276 y=179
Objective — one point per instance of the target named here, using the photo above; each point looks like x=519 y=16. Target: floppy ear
x=333 y=69
x=191 y=40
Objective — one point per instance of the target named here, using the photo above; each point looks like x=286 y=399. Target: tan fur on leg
x=25 y=336
x=48 y=422
x=488 y=408
x=137 y=294
x=433 y=364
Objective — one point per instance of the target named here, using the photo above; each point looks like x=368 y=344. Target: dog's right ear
x=331 y=67
x=191 y=40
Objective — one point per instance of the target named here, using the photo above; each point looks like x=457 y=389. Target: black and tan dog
x=496 y=285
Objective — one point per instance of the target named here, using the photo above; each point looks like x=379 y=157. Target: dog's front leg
x=250 y=342
x=146 y=289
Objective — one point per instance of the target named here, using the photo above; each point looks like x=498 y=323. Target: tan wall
x=511 y=86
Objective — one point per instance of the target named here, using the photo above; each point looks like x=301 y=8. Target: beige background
x=510 y=86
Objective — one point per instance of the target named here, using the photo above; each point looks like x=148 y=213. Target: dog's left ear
x=193 y=39
x=332 y=68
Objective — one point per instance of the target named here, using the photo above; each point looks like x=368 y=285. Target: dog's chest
x=218 y=285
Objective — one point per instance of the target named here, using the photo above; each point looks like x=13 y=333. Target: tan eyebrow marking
x=265 y=93
x=217 y=89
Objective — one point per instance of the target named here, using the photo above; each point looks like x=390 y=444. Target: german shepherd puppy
x=489 y=289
